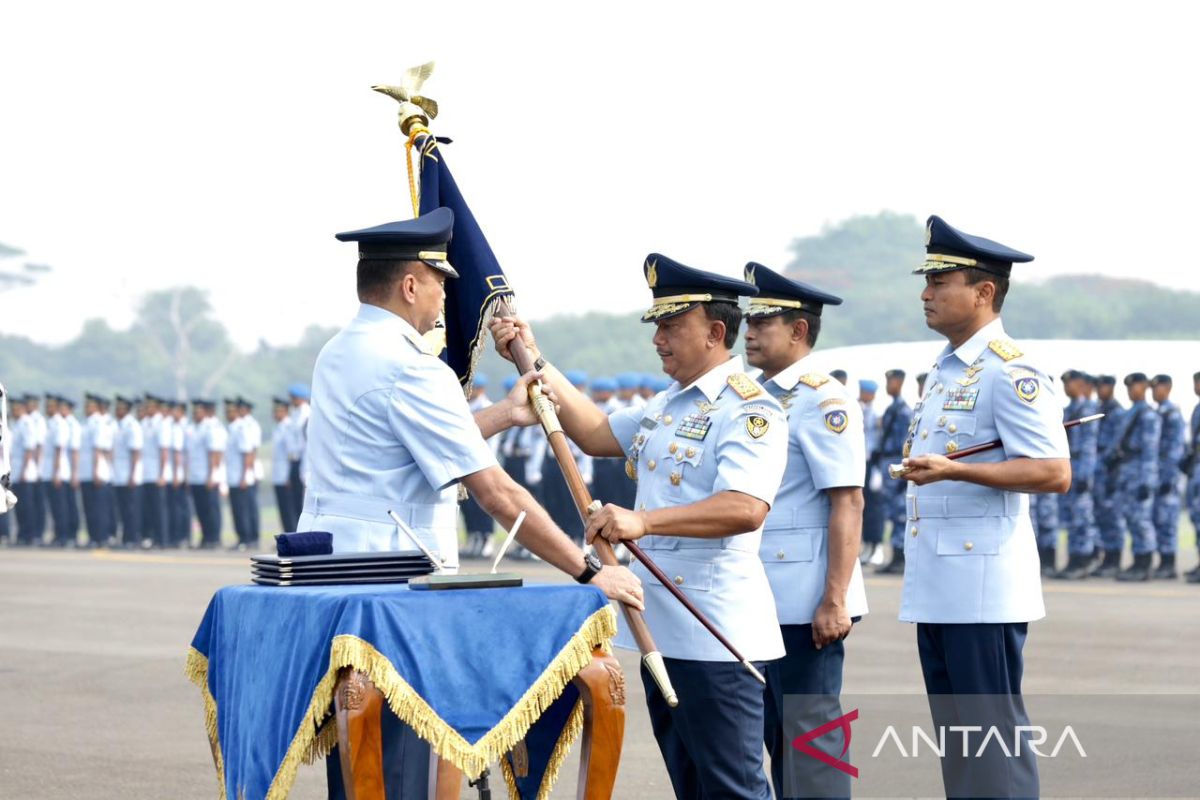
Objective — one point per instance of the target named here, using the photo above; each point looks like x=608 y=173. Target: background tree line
x=177 y=347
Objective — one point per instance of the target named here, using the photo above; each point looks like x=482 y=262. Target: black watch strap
x=540 y=364
x=591 y=566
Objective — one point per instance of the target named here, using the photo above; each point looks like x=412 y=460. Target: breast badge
x=836 y=421
x=756 y=426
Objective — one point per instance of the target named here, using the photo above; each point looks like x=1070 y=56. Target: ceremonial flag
x=472 y=298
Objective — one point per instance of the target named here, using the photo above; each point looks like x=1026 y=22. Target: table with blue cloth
x=513 y=675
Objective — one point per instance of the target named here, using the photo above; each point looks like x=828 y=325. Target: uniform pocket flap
x=971 y=542
x=691 y=574
x=782 y=547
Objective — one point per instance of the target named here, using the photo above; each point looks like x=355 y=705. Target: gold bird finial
x=413 y=107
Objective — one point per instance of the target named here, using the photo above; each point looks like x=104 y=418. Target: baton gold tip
x=897 y=470
x=653 y=662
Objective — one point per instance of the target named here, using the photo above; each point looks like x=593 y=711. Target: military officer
x=34 y=451
x=1135 y=453
x=874 y=510
x=390 y=430
x=16 y=456
x=179 y=515
x=971 y=579
x=1192 y=470
x=244 y=474
x=127 y=470
x=1043 y=511
x=300 y=393
x=1110 y=523
x=811 y=536
x=54 y=445
x=201 y=470
x=708 y=455
x=1078 y=502
x=95 y=471
x=234 y=462
x=897 y=418
x=1167 y=499
x=70 y=471
x=281 y=464
x=156 y=467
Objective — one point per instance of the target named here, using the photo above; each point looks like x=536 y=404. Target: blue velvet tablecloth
x=472 y=671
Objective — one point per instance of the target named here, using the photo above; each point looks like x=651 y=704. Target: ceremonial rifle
x=900 y=470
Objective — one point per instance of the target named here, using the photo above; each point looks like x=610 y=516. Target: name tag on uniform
x=961 y=398
x=649 y=424
x=694 y=426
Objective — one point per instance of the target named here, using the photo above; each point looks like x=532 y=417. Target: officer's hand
x=505 y=329
x=520 y=410
x=618 y=583
x=831 y=623
x=929 y=469
x=616 y=524
x=1143 y=493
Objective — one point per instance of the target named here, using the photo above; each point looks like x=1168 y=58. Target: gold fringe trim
x=314 y=740
x=196 y=670
x=562 y=749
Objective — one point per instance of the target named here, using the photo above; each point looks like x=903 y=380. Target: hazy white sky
x=150 y=144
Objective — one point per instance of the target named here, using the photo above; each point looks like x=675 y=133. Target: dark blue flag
x=471 y=299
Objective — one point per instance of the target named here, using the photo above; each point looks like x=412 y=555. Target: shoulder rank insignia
x=744 y=385
x=1005 y=348
x=756 y=426
x=421 y=343
x=814 y=380
x=836 y=421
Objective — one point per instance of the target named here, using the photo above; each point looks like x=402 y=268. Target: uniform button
x=672 y=448
x=667 y=420
x=691 y=452
x=953 y=428
x=679 y=580
x=925 y=434
x=679 y=456
x=676 y=478
x=914 y=530
x=651 y=464
x=951 y=447
x=780 y=555
x=968 y=545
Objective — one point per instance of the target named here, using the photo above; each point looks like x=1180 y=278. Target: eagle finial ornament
x=413 y=107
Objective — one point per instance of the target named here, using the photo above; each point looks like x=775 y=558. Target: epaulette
x=814 y=380
x=418 y=342
x=1005 y=348
x=744 y=385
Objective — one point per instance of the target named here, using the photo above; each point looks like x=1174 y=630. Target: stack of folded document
x=334 y=568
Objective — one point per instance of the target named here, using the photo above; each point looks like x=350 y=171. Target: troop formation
x=137 y=471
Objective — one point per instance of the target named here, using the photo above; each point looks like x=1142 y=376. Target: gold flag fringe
x=562 y=748
x=314 y=740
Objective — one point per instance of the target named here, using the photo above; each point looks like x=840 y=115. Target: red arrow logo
x=801 y=743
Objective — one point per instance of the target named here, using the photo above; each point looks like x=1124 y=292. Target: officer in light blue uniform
x=389 y=430
x=897 y=418
x=1080 y=516
x=1043 y=511
x=281 y=466
x=1136 y=455
x=971 y=578
x=1191 y=468
x=812 y=535
x=1110 y=523
x=875 y=510
x=708 y=454
x=127 y=471
x=1168 y=498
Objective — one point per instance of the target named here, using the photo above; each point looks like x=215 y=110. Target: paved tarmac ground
x=96 y=704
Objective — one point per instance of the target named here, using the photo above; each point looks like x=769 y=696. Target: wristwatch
x=591 y=566
x=540 y=364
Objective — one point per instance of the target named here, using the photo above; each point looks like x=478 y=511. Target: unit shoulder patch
x=1005 y=348
x=836 y=421
x=814 y=380
x=745 y=386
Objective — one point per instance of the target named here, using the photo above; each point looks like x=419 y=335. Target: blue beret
x=629 y=380
x=778 y=295
x=678 y=288
x=576 y=377
x=661 y=384
x=647 y=381
x=299 y=390
x=480 y=379
x=425 y=238
x=604 y=385
x=949 y=249
x=509 y=383
x=868 y=386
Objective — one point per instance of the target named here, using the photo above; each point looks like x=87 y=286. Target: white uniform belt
x=1006 y=504
x=374 y=509
x=782 y=518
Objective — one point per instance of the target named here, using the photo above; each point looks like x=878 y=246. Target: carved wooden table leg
x=358 y=705
x=601 y=685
